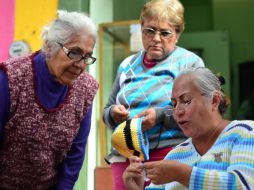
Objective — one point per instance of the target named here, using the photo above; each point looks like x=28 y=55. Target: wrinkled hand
x=149 y=120
x=133 y=175
x=120 y=113
x=161 y=172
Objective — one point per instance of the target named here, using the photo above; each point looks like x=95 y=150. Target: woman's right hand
x=120 y=113
x=133 y=175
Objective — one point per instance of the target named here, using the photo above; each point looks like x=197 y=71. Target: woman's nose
x=178 y=110
x=80 y=64
x=157 y=37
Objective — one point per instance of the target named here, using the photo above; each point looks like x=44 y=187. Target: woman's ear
x=216 y=101
x=47 y=50
x=47 y=45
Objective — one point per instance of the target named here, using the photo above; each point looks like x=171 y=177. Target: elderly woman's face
x=192 y=110
x=66 y=70
x=159 y=38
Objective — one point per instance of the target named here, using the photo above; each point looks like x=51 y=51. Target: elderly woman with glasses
x=143 y=85
x=218 y=154
x=45 y=107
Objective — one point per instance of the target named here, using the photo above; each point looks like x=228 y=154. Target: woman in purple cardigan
x=45 y=107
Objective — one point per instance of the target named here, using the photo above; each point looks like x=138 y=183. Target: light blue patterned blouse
x=228 y=165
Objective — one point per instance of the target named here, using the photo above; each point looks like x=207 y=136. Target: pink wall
x=7 y=16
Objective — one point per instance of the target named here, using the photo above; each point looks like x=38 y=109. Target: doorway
x=246 y=77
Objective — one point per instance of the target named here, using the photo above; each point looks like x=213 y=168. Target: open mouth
x=182 y=123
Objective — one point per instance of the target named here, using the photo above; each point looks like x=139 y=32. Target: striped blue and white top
x=227 y=165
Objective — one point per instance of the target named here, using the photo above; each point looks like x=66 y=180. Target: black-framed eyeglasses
x=77 y=56
x=150 y=32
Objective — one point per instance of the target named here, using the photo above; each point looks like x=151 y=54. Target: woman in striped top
x=219 y=153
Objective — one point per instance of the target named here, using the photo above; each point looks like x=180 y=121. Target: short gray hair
x=65 y=27
x=208 y=84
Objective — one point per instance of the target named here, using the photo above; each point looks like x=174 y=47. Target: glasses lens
x=74 y=55
x=149 y=32
x=166 y=34
x=89 y=60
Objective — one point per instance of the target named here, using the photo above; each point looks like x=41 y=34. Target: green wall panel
x=127 y=9
x=235 y=16
x=74 y=5
x=198 y=15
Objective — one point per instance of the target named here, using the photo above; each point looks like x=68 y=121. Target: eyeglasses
x=77 y=57
x=150 y=32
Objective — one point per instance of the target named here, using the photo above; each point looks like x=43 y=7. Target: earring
x=48 y=56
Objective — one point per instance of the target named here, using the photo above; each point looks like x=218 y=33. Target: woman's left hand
x=149 y=120
x=160 y=172
x=166 y=171
x=133 y=175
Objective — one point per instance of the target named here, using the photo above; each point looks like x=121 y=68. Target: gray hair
x=208 y=84
x=66 y=27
